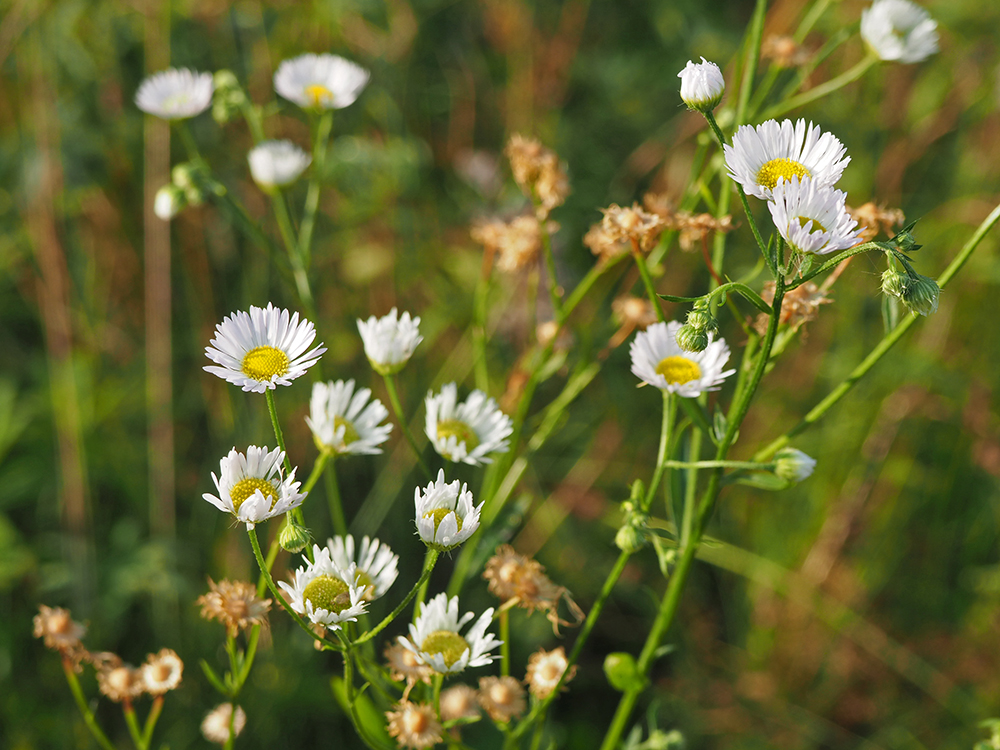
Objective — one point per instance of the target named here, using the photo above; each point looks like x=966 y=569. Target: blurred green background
x=859 y=609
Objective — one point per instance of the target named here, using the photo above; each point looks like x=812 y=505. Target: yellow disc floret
x=350 y=434
x=678 y=370
x=327 y=592
x=816 y=227
x=318 y=94
x=769 y=174
x=264 y=362
x=447 y=428
x=439 y=514
x=247 y=487
x=449 y=644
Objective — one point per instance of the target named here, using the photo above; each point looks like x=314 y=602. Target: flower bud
x=702 y=85
x=921 y=295
x=622 y=672
x=702 y=319
x=692 y=339
x=629 y=539
x=793 y=465
x=229 y=97
x=169 y=202
x=293 y=537
x=894 y=283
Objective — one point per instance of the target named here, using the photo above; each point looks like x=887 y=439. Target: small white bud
x=702 y=85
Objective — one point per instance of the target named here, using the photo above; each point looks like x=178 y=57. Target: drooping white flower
x=658 y=360
x=436 y=641
x=326 y=593
x=812 y=218
x=469 y=431
x=320 y=81
x=275 y=164
x=262 y=349
x=175 y=94
x=375 y=563
x=760 y=156
x=899 y=30
x=343 y=420
x=445 y=515
x=251 y=487
x=390 y=340
x=702 y=85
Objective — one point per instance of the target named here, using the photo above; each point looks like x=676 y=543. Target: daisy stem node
x=269 y=395
x=81 y=703
x=429 y=563
x=397 y=407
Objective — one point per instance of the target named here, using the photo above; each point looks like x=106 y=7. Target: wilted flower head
x=537 y=172
x=510 y=575
x=702 y=85
x=798 y=306
x=251 y=487
x=60 y=632
x=215 y=726
x=235 y=604
x=275 y=164
x=517 y=243
x=390 y=340
x=445 y=515
x=459 y=702
x=435 y=639
x=502 y=698
x=604 y=244
x=466 y=432
x=162 y=672
x=899 y=30
x=343 y=420
x=120 y=682
x=545 y=668
x=414 y=725
x=634 y=225
x=320 y=82
x=175 y=94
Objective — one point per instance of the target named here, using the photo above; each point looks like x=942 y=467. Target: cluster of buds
x=190 y=183
x=695 y=334
x=631 y=536
x=917 y=292
x=228 y=98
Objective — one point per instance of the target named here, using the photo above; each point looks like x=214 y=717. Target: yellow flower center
x=772 y=171
x=817 y=227
x=438 y=514
x=456 y=428
x=329 y=593
x=350 y=434
x=318 y=94
x=264 y=362
x=247 y=487
x=678 y=370
x=448 y=643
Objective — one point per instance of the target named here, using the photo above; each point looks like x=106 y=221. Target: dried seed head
x=545 y=668
x=414 y=725
x=459 y=702
x=120 y=682
x=501 y=697
x=235 y=604
x=538 y=173
x=162 y=672
x=510 y=575
x=215 y=726
x=60 y=632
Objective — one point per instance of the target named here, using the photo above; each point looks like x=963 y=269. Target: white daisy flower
x=343 y=420
x=760 y=156
x=658 y=360
x=275 y=164
x=466 y=432
x=175 y=94
x=702 y=85
x=251 y=487
x=445 y=516
x=434 y=637
x=389 y=341
x=811 y=218
x=899 y=30
x=326 y=593
x=375 y=563
x=262 y=349
x=320 y=81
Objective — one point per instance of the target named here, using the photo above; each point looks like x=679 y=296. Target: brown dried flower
x=215 y=726
x=538 y=173
x=873 y=219
x=602 y=244
x=60 y=632
x=634 y=312
x=235 y=604
x=798 y=306
x=633 y=225
x=784 y=51
x=119 y=681
x=459 y=702
x=517 y=244
x=162 y=672
x=404 y=665
x=501 y=697
x=513 y=576
x=414 y=725
x=693 y=228
x=544 y=670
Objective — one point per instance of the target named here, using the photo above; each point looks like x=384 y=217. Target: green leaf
x=371 y=719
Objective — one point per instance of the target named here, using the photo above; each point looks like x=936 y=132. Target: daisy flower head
x=445 y=515
x=762 y=155
x=326 y=593
x=702 y=85
x=263 y=348
x=275 y=164
x=502 y=697
x=436 y=641
x=466 y=432
x=658 y=360
x=343 y=420
x=320 y=82
x=390 y=340
x=251 y=486
x=175 y=94
x=812 y=218
x=375 y=563
x=899 y=30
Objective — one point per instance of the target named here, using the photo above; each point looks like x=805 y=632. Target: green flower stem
x=349 y=692
x=323 y=130
x=133 y=725
x=151 y=718
x=690 y=488
x=438 y=681
x=505 y=645
x=817 y=92
x=266 y=572
x=669 y=409
x=756 y=34
x=754 y=465
x=430 y=562
x=81 y=703
x=536 y=736
x=397 y=407
x=647 y=281
x=836 y=261
x=269 y=395
x=188 y=140
x=550 y=258
x=272 y=554
x=333 y=498
x=317 y=471
x=253 y=119
x=294 y=250
x=595 y=612
x=248 y=657
x=479 y=323
x=242 y=220
x=887 y=342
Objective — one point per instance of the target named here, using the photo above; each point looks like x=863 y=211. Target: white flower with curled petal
x=324 y=592
x=702 y=85
x=899 y=30
x=251 y=486
x=445 y=515
x=390 y=340
x=435 y=639
x=343 y=420
x=466 y=432
x=812 y=218
x=320 y=82
x=375 y=563
x=175 y=94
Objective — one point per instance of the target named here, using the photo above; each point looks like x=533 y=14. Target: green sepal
x=623 y=673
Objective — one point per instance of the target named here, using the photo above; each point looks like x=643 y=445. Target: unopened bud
x=793 y=465
x=702 y=85
x=293 y=537
x=622 y=672
x=629 y=539
x=692 y=339
x=169 y=202
x=702 y=319
x=921 y=295
x=894 y=283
